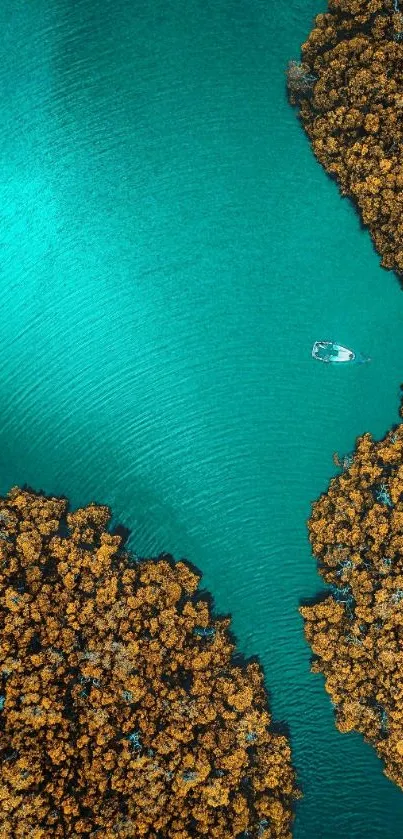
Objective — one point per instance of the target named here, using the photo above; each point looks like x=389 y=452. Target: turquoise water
x=170 y=249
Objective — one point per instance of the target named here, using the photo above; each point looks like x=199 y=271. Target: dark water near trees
x=170 y=249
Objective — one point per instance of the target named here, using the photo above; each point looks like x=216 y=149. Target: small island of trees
x=356 y=632
x=349 y=87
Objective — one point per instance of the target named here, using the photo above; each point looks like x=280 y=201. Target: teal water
x=170 y=249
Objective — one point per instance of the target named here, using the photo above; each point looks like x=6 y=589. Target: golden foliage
x=356 y=633
x=121 y=710
x=353 y=111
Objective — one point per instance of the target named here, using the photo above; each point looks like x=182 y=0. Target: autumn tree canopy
x=122 y=711
x=353 y=114
x=356 y=632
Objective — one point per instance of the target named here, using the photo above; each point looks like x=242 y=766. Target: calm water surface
x=170 y=249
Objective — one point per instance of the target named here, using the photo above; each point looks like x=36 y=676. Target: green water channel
x=169 y=251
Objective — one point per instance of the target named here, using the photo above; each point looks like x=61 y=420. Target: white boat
x=329 y=351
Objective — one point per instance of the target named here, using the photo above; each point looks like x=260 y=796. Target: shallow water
x=170 y=249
